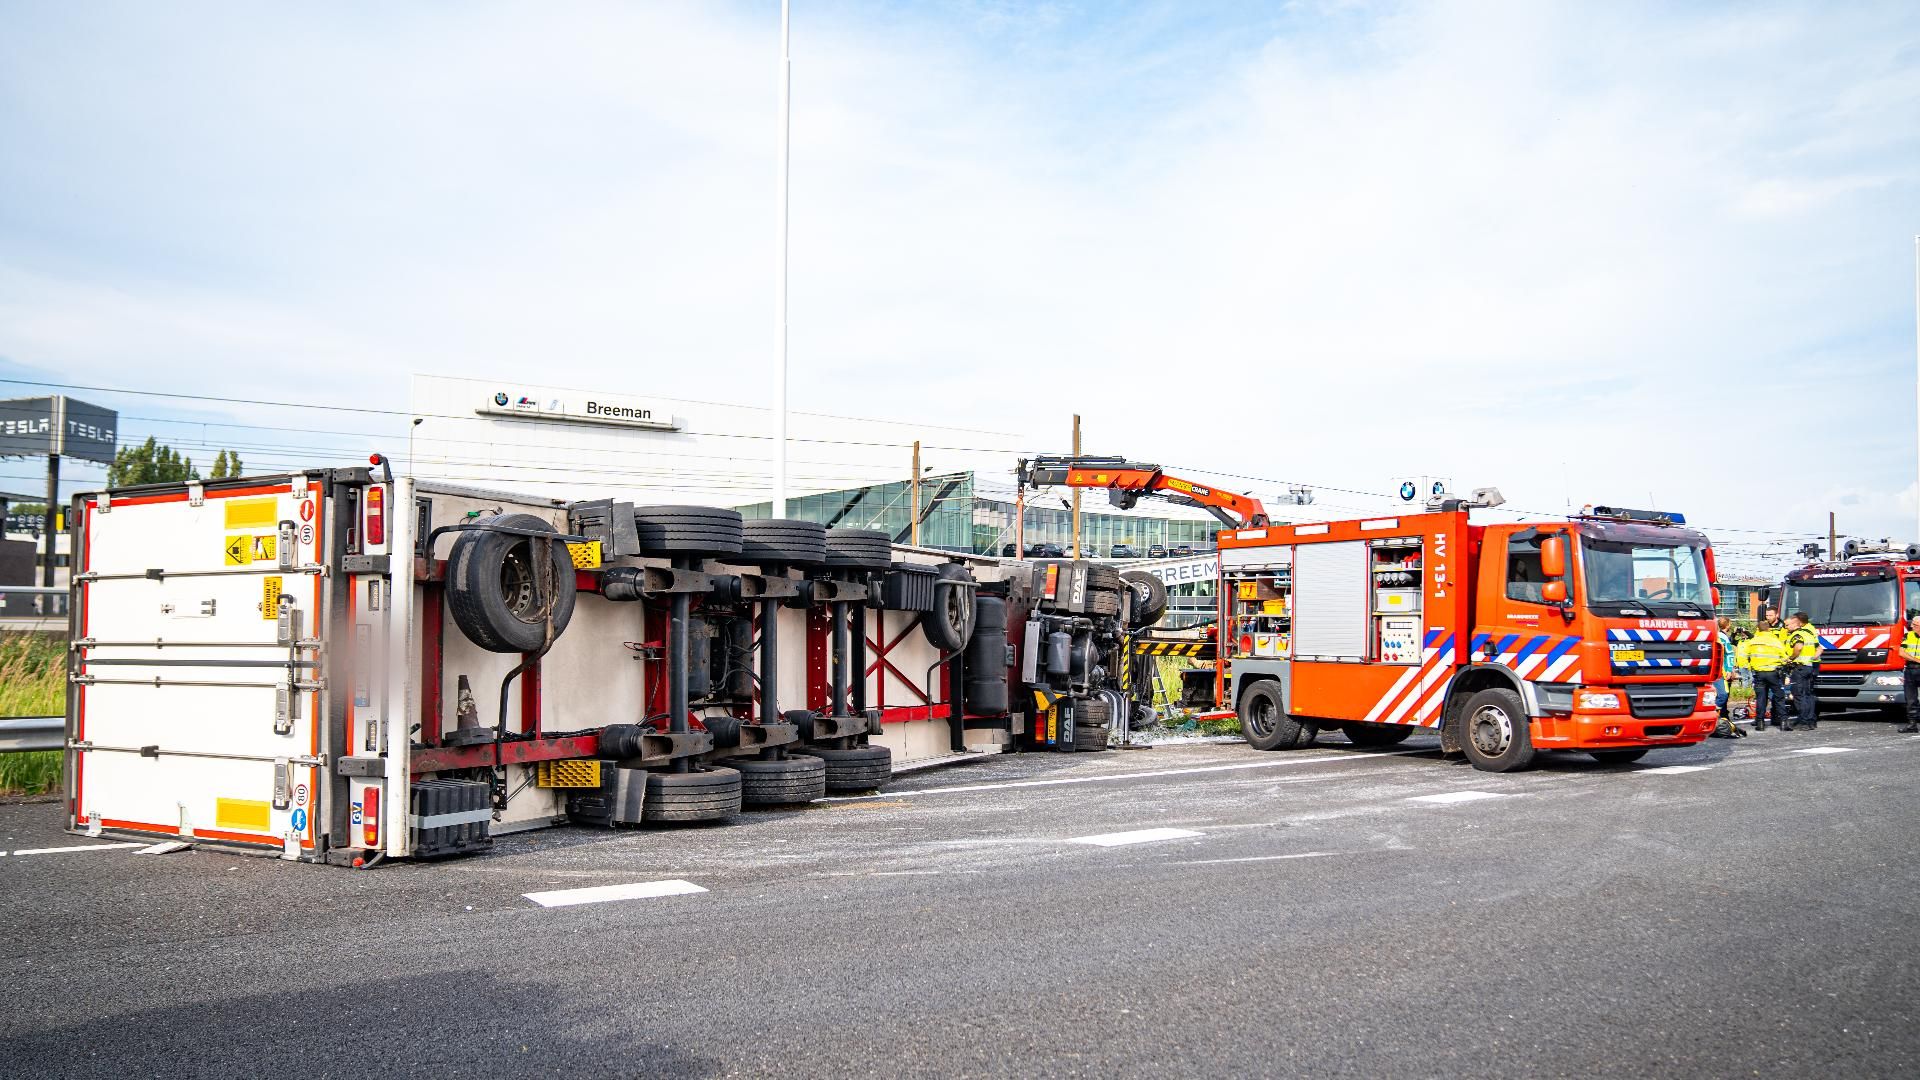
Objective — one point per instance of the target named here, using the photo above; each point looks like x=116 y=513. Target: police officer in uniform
x=1910 y=652
x=1803 y=667
x=1764 y=653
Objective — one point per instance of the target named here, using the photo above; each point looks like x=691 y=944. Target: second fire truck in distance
x=1594 y=634
x=1859 y=604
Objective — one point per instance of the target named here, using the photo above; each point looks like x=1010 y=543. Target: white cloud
x=1578 y=252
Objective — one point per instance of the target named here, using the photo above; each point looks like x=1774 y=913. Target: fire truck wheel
x=688 y=530
x=782 y=782
x=1266 y=725
x=859 y=549
x=1376 y=734
x=949 y=626
x=492 y=591
x=674 y=797
x=855 y=768
x=1495 y=731
x=783 y=542
x=1149 y=597
x=1617 y=757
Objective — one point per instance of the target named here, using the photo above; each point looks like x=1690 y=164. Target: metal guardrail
x=32 y=602
x=20 y=733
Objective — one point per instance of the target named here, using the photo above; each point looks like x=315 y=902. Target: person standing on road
x=1910 y=652
x=1764 y=655
x=1803 y=668
x=1725 y=728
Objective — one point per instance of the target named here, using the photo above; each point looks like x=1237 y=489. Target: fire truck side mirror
x=1554 y=592
x=1553 y=558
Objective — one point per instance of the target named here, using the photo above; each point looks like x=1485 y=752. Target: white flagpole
x=780 y=309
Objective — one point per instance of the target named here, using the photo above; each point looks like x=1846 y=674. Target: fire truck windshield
x=1864 y=602
x=1625 y=572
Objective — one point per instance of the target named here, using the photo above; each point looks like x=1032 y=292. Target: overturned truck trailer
x=339 y=665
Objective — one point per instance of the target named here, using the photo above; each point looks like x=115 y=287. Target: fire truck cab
x=1593 y=634
x=1859 y=604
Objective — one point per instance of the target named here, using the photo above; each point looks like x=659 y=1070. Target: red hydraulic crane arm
x=1126 y=481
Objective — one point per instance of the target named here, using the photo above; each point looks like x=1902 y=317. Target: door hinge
x=196 y=493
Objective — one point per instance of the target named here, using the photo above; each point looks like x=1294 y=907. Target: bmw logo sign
x=501 y=398
x=1407 y=491
x=1439 y=488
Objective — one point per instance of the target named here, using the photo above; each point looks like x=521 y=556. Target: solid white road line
x=1144 y=774
x=1268 y=858
x=1458 y=797
x=600 y=894
x=1669 y=770
x=1139 y=836
x=78 y=847
x=1824 y=750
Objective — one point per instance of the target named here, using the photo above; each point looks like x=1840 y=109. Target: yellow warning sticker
x=242 y=550
x=242 y=815
x=252 y=513
x=270 y=597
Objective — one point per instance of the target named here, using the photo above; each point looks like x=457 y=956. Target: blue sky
x=1582 y=252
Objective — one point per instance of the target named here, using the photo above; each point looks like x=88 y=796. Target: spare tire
x=949 y=626
x=859 y=549
x=783 y=542
x=1149 y=597
x=493 y=589
x=687 y=530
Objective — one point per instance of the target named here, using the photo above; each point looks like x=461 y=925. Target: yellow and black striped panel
x=1173 y=648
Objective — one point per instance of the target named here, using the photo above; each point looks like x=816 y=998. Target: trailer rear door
x=196 y=698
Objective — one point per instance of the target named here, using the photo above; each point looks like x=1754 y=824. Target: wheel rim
x=1492 y=730
x=516 y=584
x=1260 y=717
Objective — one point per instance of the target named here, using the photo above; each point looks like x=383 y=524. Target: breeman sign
x=57 y=425
x=578 y=409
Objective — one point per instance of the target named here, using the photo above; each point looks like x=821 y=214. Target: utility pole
x=1916 y=342
x=1019 y=519
x=52 y=516
x=780 y=303
x=1833 y=539
x=1075 y=553
x=916 y=493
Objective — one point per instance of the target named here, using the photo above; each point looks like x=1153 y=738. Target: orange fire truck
x=1593 y=634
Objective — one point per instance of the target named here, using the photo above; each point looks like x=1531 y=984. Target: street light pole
x=780 y=304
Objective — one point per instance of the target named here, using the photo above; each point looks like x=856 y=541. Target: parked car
x=1123 y=551
x=1156 y=551
x=1008 y=551
x=1046 y=551
x=1181 y=551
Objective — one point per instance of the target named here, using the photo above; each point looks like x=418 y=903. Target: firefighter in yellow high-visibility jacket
x=1910 y=652
x=1765 y=654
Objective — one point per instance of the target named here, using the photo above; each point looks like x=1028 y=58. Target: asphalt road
x=1752 y=914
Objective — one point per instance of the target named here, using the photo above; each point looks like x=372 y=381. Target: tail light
x=376 y=516
x=370 y=816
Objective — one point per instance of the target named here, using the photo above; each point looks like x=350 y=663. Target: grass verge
x=32 y=683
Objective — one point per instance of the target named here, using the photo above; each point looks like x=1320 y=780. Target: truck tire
x=1618 y=757
x=1495 y=731
x=1104 y=579
x=855 y=768
x=949 y=626
x=676 y=797
x=1266 y=724
x=1149 y=597
x=783 y=542
x=859 y=549
x=784 y=781
x=1090 y=737
x=1101 y=603
x=1376 y=734
x=491 y=588
x=688 y=530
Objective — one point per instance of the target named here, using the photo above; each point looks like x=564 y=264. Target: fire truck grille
x=1840 y=656
x=1663 y=656
x=1838 y=682
x=1662 y=702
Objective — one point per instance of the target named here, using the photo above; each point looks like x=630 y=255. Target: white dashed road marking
x=1265 y=858
x=1824 y=750
x=1139 y=836
x=78 y=847
x=1457 y=797
x=600 y=894
x=1669 y=770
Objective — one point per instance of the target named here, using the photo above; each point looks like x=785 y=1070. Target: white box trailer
x=281 y=662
